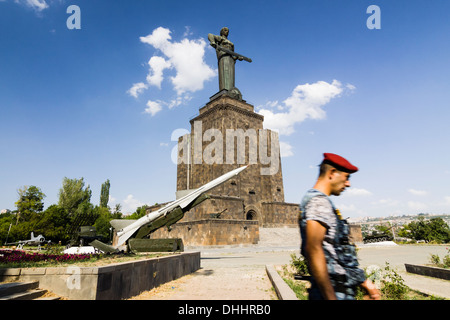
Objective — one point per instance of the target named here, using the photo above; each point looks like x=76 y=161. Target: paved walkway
x=397 y=256
x=238 y=273
x=223 y=276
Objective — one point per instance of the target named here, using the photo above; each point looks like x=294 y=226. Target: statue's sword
x=237 y=55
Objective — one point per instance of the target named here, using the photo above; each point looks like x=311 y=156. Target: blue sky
x=328 y=83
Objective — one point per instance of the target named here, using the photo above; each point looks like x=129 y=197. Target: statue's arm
x=213 y=39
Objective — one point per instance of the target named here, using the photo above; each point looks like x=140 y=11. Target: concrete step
x=48 y=298
x=26 y=295
x=7 y=289
x=23 y=291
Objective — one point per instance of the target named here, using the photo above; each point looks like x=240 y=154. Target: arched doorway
x=251 y=215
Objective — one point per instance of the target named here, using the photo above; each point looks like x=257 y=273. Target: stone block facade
x=279 y=214
x=226 y=135
x=212 y=232
x=356 y=233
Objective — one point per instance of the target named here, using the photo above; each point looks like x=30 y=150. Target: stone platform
x=111 y=282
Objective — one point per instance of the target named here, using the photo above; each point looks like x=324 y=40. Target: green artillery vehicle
x=86 y=234
x=378 y=237
x=82 y=232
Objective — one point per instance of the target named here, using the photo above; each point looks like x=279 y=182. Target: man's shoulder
x=320 y=202
x=319 y=208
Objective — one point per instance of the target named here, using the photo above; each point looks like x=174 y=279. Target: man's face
x=339 y=181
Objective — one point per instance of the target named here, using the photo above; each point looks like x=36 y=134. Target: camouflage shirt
x=340 y=254
x=319 y=209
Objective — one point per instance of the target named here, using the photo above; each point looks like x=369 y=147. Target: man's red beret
x=339 y=162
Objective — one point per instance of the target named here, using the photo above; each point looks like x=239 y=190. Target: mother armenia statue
x=226 y=60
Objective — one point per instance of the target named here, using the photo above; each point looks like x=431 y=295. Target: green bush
x=436 y=260
x=299 y=264
x=393 y=286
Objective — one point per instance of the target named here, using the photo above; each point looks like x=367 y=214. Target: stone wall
x=227 y=207
x=209 y=232
x=278 y=214
x=356 y=233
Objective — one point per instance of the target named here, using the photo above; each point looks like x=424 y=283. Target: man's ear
x=331 y=172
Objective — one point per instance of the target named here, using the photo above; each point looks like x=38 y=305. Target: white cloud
x=157 y=67
x=447 y=200
x=306 y=101
x=37 y=5
x=273 y=104
x=153 y=107
x=159 y=38
x=111 y=201
x=130 y=204
x=178 y=101
x=346 y=208
x=186 y=57
x=417 y=206
x=386 y=202
x=357 y=192
x=187 y=31
x=417 y=192
x=285 y=149
x=137 y=89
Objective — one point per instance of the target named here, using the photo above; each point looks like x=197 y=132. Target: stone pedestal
x=228 y=134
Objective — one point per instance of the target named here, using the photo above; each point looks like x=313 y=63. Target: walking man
x=326 y=246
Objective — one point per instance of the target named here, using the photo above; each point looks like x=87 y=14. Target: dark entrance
x=251 y=215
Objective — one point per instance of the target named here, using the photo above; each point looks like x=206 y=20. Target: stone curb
x=284 y=292
x=434 y=272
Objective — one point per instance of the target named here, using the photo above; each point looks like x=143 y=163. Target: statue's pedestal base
x=213 y=232
x=233 y=93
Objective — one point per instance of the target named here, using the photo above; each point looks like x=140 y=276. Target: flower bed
x=19 y=257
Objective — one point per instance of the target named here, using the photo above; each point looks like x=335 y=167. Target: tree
x=104 y=196
x=435 y=229
x=117 y=213
x=73 y=194
x=54 y=224
x=438 y=230
x=102 y=224
x=6 y=220
x=30 y=202
x=139 y=213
